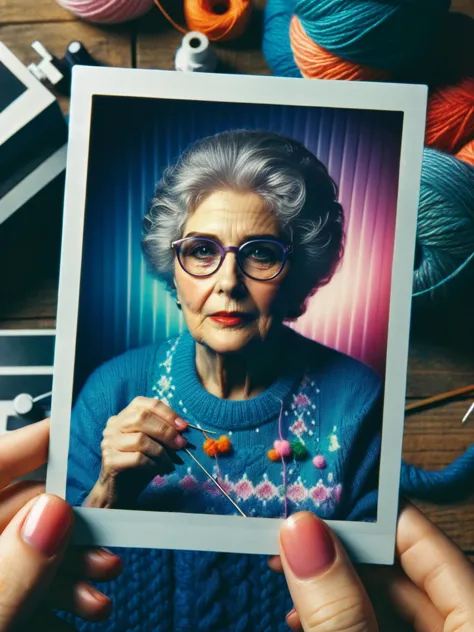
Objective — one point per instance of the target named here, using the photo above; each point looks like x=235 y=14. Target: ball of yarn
x=219 y=20
x=299 y=450
x=283 y=448
x=316 y=62
x=319 y=462
x=445 y=233
x=450 y=116
x=467 y=153
x=107 y=11
x=276 y=38
x=383 y=35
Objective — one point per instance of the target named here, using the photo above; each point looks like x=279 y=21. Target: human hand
x=431 y=587
x=134 y=450
x=36 y=572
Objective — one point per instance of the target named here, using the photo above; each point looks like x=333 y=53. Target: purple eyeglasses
x=259 y=259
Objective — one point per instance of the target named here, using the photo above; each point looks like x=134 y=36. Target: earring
x=178 y=304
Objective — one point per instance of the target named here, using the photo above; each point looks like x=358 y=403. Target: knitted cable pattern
x=235 y=569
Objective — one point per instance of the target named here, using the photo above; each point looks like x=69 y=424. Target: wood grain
x=108 y=46
x=21 y=11
x=157 y=42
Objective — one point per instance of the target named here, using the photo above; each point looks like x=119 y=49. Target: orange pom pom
x=210 y=447
x=224 y=446
x=273 y=455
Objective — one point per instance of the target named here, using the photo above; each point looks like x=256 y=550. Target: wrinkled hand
x=431 y=588
x=137 y=444
x=36 y=572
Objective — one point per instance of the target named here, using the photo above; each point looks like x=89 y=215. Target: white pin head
x=23 y=404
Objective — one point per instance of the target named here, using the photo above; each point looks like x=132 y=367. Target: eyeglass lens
x=260 y=259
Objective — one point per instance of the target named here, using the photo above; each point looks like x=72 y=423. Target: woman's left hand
x=37 y=573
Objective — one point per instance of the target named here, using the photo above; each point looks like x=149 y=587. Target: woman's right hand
x=137 y=445
x=430 y=589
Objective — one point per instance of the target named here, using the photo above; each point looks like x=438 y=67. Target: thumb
x=327 y=593
x=31 y=548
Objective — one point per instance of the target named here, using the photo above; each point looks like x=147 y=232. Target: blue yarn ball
x=445 y=233
x=276 y=38
x=383 y=35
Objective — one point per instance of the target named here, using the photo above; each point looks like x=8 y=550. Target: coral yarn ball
x=283 y=448
x=450 y=116
x=467 y=153
x=107 y=11
x=319 y=462
x=316 y=62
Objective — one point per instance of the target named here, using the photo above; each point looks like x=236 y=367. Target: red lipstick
x=230 y=319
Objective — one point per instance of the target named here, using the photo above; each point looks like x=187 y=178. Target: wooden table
x=442 y=344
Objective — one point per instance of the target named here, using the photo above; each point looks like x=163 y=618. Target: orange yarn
x=315 y=62
x=467 y=153
x=213 y=447
x=273 y=455
x=219 y=20
x=450 y=117
x=224 y=446
x=210 y=447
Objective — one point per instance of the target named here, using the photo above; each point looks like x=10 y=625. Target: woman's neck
x=240 y=375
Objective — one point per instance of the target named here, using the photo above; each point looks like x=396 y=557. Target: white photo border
x=366 y=542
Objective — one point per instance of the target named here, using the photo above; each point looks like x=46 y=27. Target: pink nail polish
x=180 y=441
x=180 y=424
x=47 y=525
x=307 y=545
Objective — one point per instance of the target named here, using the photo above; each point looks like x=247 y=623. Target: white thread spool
x=195 y=54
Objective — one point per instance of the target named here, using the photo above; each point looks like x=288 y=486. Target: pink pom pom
x=319 y=462
x=107 y=11
x=283 y=448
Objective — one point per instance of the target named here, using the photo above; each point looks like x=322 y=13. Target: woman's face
x=231 y=218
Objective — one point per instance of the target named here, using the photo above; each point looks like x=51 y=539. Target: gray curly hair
x=293 y=183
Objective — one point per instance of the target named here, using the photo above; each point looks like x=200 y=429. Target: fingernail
x=180 y=423
x=308 y=547
x=47 y=525
x=103 y=553
x=291 y=613
x=87 y=589
x=180 y=441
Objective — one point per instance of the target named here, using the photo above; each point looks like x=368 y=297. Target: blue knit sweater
x=325 y=400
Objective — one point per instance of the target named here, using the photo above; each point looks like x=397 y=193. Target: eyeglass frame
x=286 y=248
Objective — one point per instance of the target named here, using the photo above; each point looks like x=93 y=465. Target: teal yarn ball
x=276 y=38
x=382 y=34
x=445 y=232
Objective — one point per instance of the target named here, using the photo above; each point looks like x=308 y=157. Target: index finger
x=159 y=408
x=435 y=564
x=22 y=451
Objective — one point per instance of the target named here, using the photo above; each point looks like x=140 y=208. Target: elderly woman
x=244 y=228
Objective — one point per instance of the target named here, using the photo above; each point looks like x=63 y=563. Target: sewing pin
x=214 y=481
x=468 y=413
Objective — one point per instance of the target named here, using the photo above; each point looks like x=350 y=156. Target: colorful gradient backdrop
x=132 y=140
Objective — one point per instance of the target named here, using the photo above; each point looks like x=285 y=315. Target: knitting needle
x=201 y=429
x=439 y=398
x=468 y=413
x=214 y=481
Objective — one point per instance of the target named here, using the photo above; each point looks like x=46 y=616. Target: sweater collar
x=214 y=411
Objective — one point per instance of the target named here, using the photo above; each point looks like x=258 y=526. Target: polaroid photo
x=234 y=305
